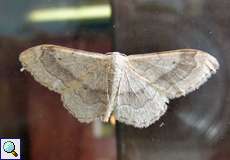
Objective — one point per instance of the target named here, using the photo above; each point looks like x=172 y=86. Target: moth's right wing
x=175 y=73
x=149 y=80
x=79 y=76
x=138 y=102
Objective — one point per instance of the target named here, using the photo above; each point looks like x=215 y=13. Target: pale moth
x=135 y=88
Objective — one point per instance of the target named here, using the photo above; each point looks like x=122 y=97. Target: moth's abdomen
x=115 y=73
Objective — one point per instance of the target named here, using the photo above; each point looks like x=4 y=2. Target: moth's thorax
x=118 y=64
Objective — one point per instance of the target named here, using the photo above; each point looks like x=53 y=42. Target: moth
x=135 y=88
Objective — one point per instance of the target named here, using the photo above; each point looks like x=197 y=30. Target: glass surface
x=195 y=127
x=30 y=111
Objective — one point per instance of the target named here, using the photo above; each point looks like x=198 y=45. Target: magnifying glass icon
x=9 y=147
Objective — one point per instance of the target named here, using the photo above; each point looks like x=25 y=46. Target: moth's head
x=116 y=54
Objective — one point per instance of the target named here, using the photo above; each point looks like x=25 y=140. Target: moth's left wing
x=80 y=77
x=175 y=73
